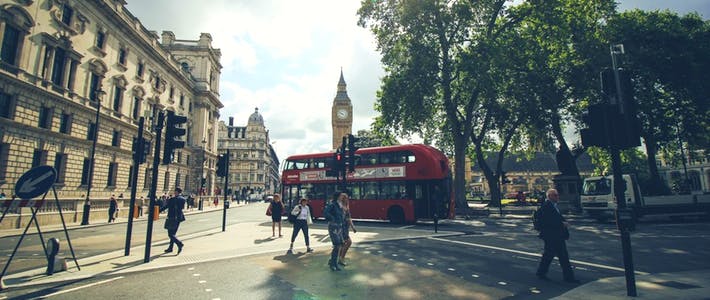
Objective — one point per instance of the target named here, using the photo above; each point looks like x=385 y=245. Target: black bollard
x=52 y=249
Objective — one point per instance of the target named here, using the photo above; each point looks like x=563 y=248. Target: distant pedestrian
x=2 y=195
x=112 y=207
x=303 y=217
x=275 y=210
x=554 y=231
x=333 y=212
x=347 y=225
x=141 y=203
x=174 y=206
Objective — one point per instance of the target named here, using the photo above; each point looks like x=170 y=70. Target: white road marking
x=190 y=269
x=208 y=290
x=80 y=287
x=202 y=281
x=502 y=282
x=406 y=227
x=534 y=254
x=196 y=275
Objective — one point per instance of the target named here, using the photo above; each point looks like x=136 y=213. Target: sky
x=285 y=58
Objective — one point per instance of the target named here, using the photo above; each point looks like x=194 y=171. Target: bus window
x=392 y=190
x=370 y=190
x=355 y=191
x=318 y=163
x=368 y=159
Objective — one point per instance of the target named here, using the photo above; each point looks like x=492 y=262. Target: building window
x=58 y=66
x=130 y=177
x=100 y=39
x=45 y=117
x=10 y=45
x=140 y=70
x=166 y=181
x=85 y=169
x=4 y=157
x=112 y=171
x=94 y=86
x=91 y=132
x=67 y=13
x=60 y=165
x=6 y=105
x=182 y=100
x=177 y=180
x=116 y=139
x=147 y=178
x=39 y=158
x=65 y=123
x=117 y=98
x=122 y=55
x=136 y=108
x=171 y=94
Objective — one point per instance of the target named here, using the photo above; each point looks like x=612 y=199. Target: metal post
x=619 y=184
x=87 y=201
x=134 y=181
x=153 y=186
x=224 y=191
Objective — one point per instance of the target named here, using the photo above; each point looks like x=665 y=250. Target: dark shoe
x=572 y=280
x=309 y=250
x=290 y=251
x=180 y=248
x=168 y=250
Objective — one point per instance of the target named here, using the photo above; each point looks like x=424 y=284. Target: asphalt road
x=496 y=254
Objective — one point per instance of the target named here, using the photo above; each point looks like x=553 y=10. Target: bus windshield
x=600 y=186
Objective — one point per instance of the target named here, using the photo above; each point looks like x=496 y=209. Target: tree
x=667 y=57
x=373 y=138
x=425 y=87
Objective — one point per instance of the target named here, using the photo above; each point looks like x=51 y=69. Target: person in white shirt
x=303 y=218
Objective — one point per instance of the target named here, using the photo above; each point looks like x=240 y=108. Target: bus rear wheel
x=396 y=215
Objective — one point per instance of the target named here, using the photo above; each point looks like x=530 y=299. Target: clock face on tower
x=342 y=114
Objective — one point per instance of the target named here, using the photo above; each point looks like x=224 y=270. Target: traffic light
x=173 y=133
x=622 y=116
x=504 y=178
x=222 y=165
x=336 y=165
x=351 y=152
x=596 y=119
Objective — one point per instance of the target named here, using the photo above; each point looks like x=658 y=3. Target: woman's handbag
x=291 y=218
x=268 y=211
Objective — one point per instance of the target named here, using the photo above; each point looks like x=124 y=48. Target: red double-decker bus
x=401 y=183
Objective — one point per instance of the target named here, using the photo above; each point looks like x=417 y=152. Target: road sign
x=35 y=182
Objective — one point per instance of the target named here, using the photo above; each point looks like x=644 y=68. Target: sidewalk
x=367 y=276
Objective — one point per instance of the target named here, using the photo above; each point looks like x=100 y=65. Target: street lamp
x=87 y=202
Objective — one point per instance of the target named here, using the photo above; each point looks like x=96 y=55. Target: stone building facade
x=253 y=164
x=59 y=58
x=533 y=175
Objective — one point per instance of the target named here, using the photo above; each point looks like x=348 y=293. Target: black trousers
x=172 y=232
x=300 y=225
x=555 y=247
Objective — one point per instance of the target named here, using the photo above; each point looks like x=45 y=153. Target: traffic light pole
x=623 y=218
x=226 y=182
x=153 y=186
x=134 y=181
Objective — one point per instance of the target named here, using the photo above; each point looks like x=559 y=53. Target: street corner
x=370 y=276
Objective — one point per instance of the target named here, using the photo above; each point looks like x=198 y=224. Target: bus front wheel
x=396 y=215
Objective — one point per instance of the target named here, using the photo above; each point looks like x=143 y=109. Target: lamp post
x=98 y=94
x=203 y=179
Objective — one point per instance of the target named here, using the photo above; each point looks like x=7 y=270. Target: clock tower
x=342 y=113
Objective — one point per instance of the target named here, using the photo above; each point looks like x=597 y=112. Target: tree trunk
x=460 y=172
x=491 y=178
x=656 y=186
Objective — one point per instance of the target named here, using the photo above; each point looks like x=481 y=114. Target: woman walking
x=276 y=208
x=303 y=217
x=347 y=225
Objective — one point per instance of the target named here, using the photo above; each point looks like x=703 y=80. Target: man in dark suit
x=174 y=205
x=553 y=230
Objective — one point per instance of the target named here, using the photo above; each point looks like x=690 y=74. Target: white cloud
x=283 y=57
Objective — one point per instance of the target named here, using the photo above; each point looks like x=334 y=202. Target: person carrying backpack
x=554 y=232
